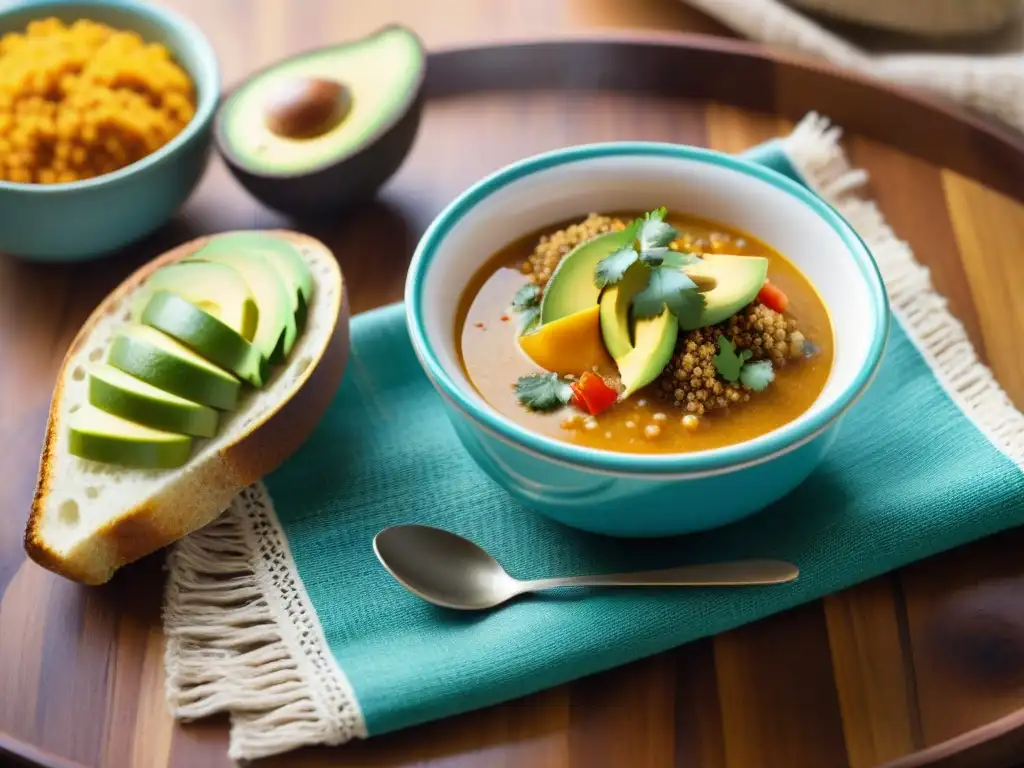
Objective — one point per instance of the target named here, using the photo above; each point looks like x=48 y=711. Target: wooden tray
x=850 y=680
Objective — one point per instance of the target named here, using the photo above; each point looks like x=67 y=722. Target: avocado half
x=325 y=129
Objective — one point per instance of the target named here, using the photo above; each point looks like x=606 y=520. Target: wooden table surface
x=848 y=680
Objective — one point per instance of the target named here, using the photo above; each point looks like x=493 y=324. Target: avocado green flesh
x=571 y=287
x=207 y=336
x=157 y=359
x=216 y=288
x=116 y=392
x=379 y=70
x=99 y=436
x=275 y=331
x=616 y=301
x=738 y=280
x=285 y=259
x=652 y=351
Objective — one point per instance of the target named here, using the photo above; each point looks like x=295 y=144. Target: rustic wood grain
x=910 y=191
x=700 y=738
x=626 y=716
x=775 y=714
x=849 y=681
x=872 y=673
x=989 y=231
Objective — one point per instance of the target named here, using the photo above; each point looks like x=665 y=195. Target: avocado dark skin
x=354 y=177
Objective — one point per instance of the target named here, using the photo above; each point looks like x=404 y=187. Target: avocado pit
x=307 y=107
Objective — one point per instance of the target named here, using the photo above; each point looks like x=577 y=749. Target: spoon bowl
x=448 y=570
x=443 y=568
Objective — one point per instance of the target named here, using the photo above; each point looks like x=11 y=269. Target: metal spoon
x=453 y=572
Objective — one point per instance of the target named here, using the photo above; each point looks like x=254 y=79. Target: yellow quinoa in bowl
x=84 y=99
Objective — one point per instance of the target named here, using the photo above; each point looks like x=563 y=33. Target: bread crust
x=205 y=489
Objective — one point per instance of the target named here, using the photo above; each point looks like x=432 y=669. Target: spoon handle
x=736 y=573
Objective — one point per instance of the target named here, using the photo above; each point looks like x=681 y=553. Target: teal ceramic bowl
x=92 y=218
x=624 y=494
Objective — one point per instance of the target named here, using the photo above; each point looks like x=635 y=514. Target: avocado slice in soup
x=655 y=342
x=616 y=300
x=640 y=347
x=571 y=287
x=728 y=283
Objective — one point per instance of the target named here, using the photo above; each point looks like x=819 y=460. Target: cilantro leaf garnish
x=543 y=391
x=649 y=238
x=757 y=375
x=668 y=287
x=611 y=268
x=653 y=257
x=727 y=362
x=679 y=259
x=526 y=302
x=654 y=233
x=526 y=297
x=735 y=367
x=528 y=318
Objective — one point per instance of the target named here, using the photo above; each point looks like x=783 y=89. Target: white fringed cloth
x=991 y=84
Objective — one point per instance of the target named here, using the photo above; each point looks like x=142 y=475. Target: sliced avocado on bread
x=148 y=439
x=283 y=256
x=275 y=329
x=215 y=288
x=97 y=435
x=206 y=335
x=122 y=395
x=157 y=359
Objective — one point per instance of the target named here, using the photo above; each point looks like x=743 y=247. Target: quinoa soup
x=644 y=333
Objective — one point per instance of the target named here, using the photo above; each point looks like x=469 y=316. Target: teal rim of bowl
x=709 y=461
x=209 y=97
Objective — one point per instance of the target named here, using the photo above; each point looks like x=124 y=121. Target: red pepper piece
x=591 y=394
x=773 y=297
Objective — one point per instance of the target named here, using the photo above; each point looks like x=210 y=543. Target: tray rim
x=453 y=68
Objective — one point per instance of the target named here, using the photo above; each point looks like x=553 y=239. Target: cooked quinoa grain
x=551 y=248
x=84 y=99
x=691 y=381
x=766 y=333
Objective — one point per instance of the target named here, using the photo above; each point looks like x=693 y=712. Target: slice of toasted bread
x=88 y=519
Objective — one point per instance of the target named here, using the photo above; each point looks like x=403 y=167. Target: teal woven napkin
x=322 y=645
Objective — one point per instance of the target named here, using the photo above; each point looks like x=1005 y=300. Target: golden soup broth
x=486 y=329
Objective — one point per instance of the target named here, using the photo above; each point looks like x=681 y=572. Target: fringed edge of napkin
x=243 y=638
x=813 y=147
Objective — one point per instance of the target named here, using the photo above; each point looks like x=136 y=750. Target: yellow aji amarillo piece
x=571 y=344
